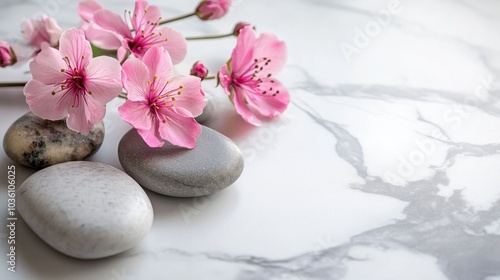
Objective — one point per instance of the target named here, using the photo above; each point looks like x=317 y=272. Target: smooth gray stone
x=214 y=164
x=38 y=143
x=86 y=210
x=208 y=111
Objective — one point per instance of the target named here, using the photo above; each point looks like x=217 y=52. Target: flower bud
x=7 y=56
x=212 y=9
x=199 y=70
x=240 y=26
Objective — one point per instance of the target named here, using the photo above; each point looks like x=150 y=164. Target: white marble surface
x=385 y=166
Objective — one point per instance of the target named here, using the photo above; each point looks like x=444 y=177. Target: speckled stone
x=38 y=143
x=86 y=210
x=213 y=165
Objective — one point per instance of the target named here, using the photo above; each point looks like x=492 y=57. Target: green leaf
x=96 y=51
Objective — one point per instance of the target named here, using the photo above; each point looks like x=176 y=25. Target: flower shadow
x=229 y=123
x=183 y=211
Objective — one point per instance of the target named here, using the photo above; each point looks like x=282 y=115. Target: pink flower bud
x=240 y=26
x=39 y=31
x=212 y=9
x=199 y=70
x=7 y=56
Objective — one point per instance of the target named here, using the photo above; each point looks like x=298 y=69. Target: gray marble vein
x=461 y=255
x=467 y=253
x=395 y=93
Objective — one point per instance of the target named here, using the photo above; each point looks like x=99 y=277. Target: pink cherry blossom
x=7 y=56
x=248 y=77
x=212 y=9
x=199 y=70
x=160 y=106
x=109 y=31
x=70 y=83
x=39 y=31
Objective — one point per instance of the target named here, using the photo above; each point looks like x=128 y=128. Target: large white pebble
x=85 y=209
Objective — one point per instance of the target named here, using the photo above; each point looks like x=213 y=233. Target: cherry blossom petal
x=104 y=78
x=103 y=39
x=121 y=53
x=41 y=101
x=27 y=29
x=84 y=116
x=159 y=64
x=144 y=14
x=140 y=6
x=180 y=130
x=241 y=106
x=152 y=136
x=225 y=79
x=268 y=105
x=153 y=13
x=269 y=46
x=53 y=30
x=137 y=18
x=191 y=97
x=86 y=9
x=135 y=76
x=74 y=46
x=110 y=21
x=175 y=43
x=242 y=54
x=133 y=112
x=47 y=65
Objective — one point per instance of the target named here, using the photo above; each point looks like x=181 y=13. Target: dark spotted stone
x=38 y=143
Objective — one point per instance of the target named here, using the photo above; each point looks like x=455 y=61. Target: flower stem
x=177 y=18
x=210 y=37
x=123 y=95
x=19 y=84
x=125 y=58
x=209 y=78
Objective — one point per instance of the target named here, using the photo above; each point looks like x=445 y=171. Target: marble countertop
x=386 y=164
